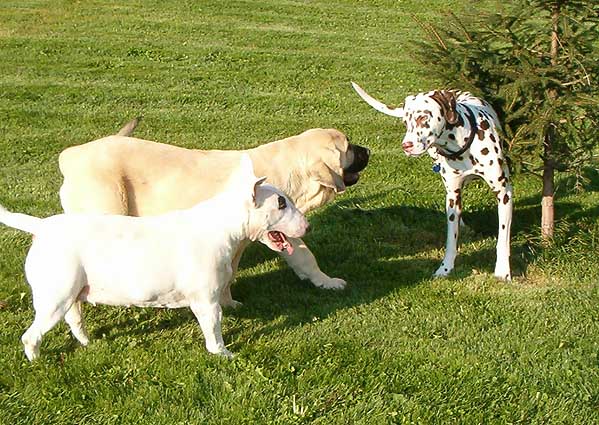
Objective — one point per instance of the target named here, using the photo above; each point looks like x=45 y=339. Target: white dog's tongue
x=281 y=241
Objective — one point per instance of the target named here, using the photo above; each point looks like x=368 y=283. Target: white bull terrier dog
x=179 y=259
x=460 y=132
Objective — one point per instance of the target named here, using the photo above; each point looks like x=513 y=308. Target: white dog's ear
x=246 y=167
x=243 y=182
x=244 y=173
x=328 y=178
x=379 y=106
x=257 y=183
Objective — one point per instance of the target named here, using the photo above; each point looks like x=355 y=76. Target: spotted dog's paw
x=442 y=271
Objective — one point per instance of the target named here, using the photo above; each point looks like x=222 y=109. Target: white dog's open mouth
x=280 y=241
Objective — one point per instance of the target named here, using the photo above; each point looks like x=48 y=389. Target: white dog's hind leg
x=46 y=317
x=31 y=340
x=55 y=278
x=209 y=315
x=304 y=264
x=75 y=322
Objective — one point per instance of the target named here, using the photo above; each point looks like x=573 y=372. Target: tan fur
x=125 y=175
x=129 y=176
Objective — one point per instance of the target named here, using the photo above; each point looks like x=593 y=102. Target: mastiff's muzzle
x=351 y=173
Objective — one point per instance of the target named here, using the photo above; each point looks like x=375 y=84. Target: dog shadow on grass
x=364 y=247
x=378 y=251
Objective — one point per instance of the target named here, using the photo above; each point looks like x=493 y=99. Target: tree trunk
x=548 y=189
x=547 y=213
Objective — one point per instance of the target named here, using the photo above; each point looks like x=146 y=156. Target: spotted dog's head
x=426 y=116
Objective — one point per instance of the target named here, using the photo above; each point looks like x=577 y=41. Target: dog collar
x=473 y=128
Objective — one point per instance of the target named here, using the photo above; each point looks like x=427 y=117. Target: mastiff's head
x=319 y=164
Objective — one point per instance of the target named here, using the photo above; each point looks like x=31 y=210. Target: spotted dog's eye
x=282 y=203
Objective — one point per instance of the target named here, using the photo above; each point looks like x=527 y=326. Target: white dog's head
x=426 y=116
x=273 y=218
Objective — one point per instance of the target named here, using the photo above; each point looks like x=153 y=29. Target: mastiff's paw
x=330 y=283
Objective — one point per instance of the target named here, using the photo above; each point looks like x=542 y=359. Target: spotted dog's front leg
x=504 y=194
x=453 y=207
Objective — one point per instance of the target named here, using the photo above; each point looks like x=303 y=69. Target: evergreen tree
x=537 y=62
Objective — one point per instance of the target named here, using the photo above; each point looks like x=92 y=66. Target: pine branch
x=431 y=30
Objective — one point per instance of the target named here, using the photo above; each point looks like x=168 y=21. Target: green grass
x=396 y=346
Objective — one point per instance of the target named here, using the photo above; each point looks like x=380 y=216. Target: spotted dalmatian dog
x=459 y=131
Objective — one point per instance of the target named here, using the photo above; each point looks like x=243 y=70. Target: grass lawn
x=396 y=346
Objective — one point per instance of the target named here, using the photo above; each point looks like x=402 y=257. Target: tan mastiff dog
x=124 y=175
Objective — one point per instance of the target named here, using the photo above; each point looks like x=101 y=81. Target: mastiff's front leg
x=304 y=264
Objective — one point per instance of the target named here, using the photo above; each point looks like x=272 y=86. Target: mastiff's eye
x=282 y=203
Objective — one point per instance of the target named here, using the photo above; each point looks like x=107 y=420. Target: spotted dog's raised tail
x=24 y=222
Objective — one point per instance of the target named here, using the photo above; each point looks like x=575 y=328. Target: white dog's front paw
x=231 y=303
x=226 y=353
x=222 y=351
x=218 y=349
x=330 y=283
x=32 y=353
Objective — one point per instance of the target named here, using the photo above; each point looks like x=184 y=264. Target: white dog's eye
x=282 y=203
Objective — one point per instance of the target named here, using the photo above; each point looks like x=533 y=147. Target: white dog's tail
x=24 y=222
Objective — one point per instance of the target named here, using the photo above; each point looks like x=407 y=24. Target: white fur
x=179 y=259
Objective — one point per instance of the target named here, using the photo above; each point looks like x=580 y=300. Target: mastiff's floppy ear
x=447 y=101
x=328 y=177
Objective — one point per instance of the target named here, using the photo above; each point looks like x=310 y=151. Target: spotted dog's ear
x=447 y=100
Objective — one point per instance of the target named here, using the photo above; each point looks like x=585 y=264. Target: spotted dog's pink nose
x=407 y=146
